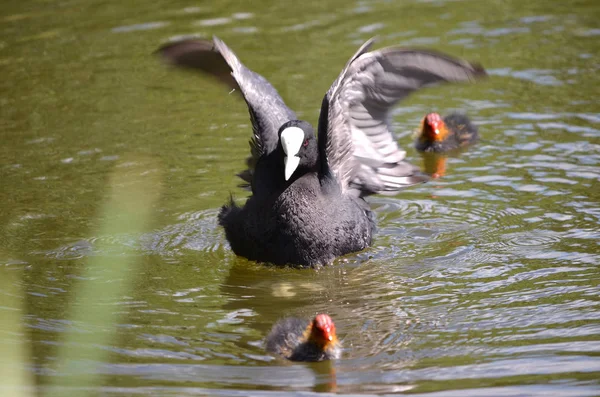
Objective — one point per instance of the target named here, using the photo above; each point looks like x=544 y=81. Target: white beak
x=291 y=140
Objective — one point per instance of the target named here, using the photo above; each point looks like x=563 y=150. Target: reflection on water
x=481 y=282
x=434 y=164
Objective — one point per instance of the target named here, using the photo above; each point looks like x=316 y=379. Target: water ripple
x=482 y=282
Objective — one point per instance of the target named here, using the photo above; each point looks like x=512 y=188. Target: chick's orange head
x=434 y=127
x=324 y=327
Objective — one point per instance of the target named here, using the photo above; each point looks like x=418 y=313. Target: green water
x=483 y=282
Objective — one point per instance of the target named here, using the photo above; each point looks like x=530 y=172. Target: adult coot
x=302 y=340
x=307 y=203
x=438 y=135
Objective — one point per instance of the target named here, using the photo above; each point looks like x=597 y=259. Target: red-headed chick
x=302 y=340
x=443 y=135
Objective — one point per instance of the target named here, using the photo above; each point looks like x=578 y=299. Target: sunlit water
x=482 y=282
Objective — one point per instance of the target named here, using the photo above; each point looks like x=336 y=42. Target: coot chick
x=302 y=340
x=307 y=205
x=439 y=135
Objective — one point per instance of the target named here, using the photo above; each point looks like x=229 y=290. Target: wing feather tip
x=479 y=71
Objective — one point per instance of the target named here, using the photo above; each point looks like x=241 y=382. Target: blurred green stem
x=134 y=188
x=17 y=380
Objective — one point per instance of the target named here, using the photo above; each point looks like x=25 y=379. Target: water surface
x=482 y=282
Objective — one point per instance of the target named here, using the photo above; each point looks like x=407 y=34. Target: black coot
x=307 y=203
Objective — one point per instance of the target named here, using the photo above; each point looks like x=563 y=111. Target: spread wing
x=355 y=135
x=267 y=110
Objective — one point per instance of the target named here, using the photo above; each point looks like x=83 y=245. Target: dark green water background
x=484 y=282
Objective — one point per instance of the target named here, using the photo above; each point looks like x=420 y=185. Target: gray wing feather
x=267 y=110
x=359 y=145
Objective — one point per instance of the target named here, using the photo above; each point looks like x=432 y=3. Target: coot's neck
x=269 y=173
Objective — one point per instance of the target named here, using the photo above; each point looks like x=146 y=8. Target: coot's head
x=299 y=145
x=433 y=128
x=323 y=330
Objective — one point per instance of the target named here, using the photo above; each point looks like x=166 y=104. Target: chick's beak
x=327 y=333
